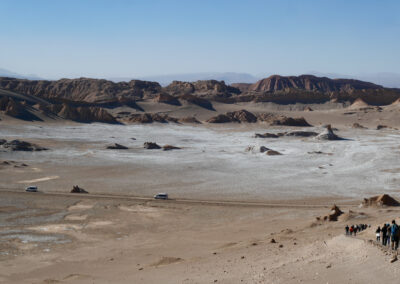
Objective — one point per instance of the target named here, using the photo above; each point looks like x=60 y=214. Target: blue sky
x=71 y=38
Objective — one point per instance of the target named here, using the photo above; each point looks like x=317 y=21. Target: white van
x=161 y=196
x=31 y=188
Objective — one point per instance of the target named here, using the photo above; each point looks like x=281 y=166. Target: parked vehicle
x=31 y=188
x=161 y=196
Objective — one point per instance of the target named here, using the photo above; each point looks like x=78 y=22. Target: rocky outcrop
x=309 y=83
x=302 y=134
x=380 y=126
x=266 y=135
x=201 y=87
x=273 y=153
x=206 y=89
x=328 y=134
x=333 y=215
x=167 y=99
x=16 y=109
x=235 y=116
x=255 y=149
x=151 y=117
x=77 y=189
x=289 y=121
x=151 y=145
x=277 y=89
x=380 y=200
x=18 y=145
x=357 y=125
x=83 y=89
x=84 y=114
x=117 y=146
x=170 y=147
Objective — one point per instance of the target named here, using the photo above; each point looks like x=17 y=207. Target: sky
x=117 y=38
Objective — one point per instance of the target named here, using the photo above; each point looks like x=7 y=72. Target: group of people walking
x=388 y=234
x=354 y=229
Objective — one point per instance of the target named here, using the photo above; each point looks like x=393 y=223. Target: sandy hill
x=358 y=103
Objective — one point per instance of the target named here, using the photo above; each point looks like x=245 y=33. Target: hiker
x=395 y=235
x=347 y=230
x=389 y=233
x=378 y=234
x=384 y=234
x=351 y=230
x=355 y=230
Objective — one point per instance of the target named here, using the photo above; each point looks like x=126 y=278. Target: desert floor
x=226 y=206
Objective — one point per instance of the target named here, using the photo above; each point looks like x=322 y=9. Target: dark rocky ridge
x=309 y=83
x=83 y=89
x=86 y=100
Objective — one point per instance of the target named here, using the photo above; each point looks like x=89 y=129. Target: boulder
x=308 y=109
x=117 y=146
x=273 y=153
x=289 y=121
x=77 y=189
x=264 y=149
x=379 y=127
x=170 y=147
x=151 y=145
x=234 y=116
x=266 y=135
x=18 y=145
x=357 y=125
x=254 y=149
x=243 y=116
x=302 y=133
x=328 y=134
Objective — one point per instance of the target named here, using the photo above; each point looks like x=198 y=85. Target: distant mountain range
x=8 y=73
x=386 y=79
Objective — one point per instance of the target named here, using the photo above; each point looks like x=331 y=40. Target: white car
x=161 y=196
x=31 y=189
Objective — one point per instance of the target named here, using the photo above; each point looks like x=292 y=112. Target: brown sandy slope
x=121 y=240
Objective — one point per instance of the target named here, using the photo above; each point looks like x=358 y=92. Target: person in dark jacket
x=389 y=233
x=378 y=234
x=384 y=234
x=347 y=229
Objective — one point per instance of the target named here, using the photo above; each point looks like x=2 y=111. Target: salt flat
x=212 y=163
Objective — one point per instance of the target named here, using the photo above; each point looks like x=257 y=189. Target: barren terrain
x=226 y=206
